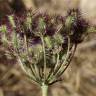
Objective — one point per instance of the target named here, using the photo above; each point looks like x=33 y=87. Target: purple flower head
x=78 y=26
x=43 y=43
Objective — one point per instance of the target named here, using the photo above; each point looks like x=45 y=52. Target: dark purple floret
x=4 y=20
x=60 y=19
x=36 y=18
x=79 y=27
x=36 y=40
x=65 y=44
x=71 y=12
x=50 y=30
x=28 y=33
x=47 y=18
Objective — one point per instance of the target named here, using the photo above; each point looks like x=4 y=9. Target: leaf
x=12 y=21
x=68 y=23
x=28 y=22
x=3 y=29
x=15 y=40
x=42 y=24
x=48 y=42
x=37 y=51
x=58 y=38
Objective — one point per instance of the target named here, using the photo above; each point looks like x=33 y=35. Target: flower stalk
x=44 y=89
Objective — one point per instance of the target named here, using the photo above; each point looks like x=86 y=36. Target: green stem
x=43 y=45
x=44 y=89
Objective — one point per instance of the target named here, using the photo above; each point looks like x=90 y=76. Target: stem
x=44 y=89
x=43 y=45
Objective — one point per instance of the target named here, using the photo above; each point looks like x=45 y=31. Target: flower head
x=44 y=44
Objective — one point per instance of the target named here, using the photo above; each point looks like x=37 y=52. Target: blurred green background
x=78 y=80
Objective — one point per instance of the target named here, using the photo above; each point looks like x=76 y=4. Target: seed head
x=44 y=44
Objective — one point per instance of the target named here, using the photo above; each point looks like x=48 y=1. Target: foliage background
x=78 y=80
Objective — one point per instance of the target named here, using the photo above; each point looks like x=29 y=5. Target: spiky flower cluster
x=44 y=44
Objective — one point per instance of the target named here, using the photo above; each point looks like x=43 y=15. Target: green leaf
x=15 y=40
x=48 y=42
x=37 y=50
x=68 y=24
x=42 y=24
x=28 y=21
x=58 y=38
x=12 y=21
x=69 y=21
x=3 y=29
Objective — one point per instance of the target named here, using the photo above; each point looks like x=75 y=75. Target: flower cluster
x=44 y=44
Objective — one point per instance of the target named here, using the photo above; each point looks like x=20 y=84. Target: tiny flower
x=36 y=40
x=50 y=30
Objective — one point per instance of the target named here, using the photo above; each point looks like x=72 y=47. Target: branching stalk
x=61 y=65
